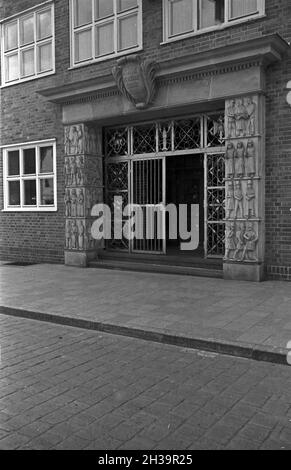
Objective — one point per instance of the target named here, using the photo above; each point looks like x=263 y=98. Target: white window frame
x=92 y=26
x=38 y=176
x=35 y=44
x=195 y=31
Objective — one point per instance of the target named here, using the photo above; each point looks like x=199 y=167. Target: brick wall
x=26 y=116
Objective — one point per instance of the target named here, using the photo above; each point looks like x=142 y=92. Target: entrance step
x=156 y=267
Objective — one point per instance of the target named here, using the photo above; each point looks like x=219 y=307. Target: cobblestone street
x=66 y=388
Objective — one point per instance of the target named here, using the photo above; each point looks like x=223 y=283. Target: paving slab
x=240 y=318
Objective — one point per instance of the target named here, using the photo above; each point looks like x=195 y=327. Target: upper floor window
x=184 y=17
x=103 y=28
x=28 y=45
x=30 y=177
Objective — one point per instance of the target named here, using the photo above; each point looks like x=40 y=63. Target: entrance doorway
x=180 y=161
x=185 y=185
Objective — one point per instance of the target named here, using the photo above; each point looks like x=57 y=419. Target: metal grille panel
x=215 y=205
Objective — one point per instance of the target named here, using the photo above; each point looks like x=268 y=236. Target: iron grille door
x=214 y=167
x=117 y=195
x=148 y=178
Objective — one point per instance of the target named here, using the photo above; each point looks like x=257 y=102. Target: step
x=123 y=265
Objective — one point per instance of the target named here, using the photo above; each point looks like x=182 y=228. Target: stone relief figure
x=250 y=197
x=250 y=238
x=67 y=200
x=229 y=203
x=241 y=116
x=67 y=140
x=229 y=160
x=89 y=202
x=239 y=159
x=230 y=241
x=239 y=241
x=231 y=113
x=74 y=235
x=250 y=159
x=90 y=239
x=251 y=122
x=74 y=201
x=238 y=197
x=73 y=171
x=80 y=140
x=68 y=234
x=81 y=235
x=79 y=170
x=67 y=171
x=80 y=204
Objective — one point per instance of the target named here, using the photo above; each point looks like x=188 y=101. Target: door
x=148 y=193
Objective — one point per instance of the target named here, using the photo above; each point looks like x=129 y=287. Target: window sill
x=106 y=58
x=213 y=29
x=29 y=79
x=29 y=209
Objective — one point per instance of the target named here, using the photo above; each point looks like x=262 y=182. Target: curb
x=244 y=350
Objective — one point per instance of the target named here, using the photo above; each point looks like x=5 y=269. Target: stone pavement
x=67 y=388
x=236 y=313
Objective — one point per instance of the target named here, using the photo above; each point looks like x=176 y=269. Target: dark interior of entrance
x=185 y=185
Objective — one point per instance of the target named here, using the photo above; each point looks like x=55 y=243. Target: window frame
x=35 y=45
x=92 y=27
x=37 y=176
x=228 y=22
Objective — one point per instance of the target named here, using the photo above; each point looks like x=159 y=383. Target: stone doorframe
x=245 y=188
x=83 y=172
x=234 y=74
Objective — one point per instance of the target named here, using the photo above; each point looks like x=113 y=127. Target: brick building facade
x=197 y=76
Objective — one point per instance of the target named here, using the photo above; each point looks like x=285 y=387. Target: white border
x=95 y=60
x=20 y=147
x=35 y=10
x=197 y=32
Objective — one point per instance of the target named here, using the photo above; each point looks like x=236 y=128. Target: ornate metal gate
x=148 y=193
x=214 y=167
x=136 y=162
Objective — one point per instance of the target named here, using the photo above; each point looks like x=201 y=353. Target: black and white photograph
x=145 y=228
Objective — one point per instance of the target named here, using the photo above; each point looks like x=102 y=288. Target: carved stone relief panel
x=82 y=139
x=241 y=241
x=243 y=181
x=242 y=117
x=78 y=235
x=83 y=174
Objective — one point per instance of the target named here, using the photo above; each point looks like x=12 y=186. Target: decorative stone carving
x=250 y=159
x=240 y=241
x=230 y=240
x=83 y=174
x=250 y=239
x=135 y=78
x=229 y=160
x=241 y=117
x=81 y=204
x=81 y=139
x=74 y=201
x=239 y=159
x=231 y=111
x=250 y=197
x=244 y=223
x=238 y=197
x=230 y=201
x=251 y=113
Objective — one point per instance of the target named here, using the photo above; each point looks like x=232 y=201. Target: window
x=104 y=28
x=28 y=46
x=184 y=17
x=30 y=177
